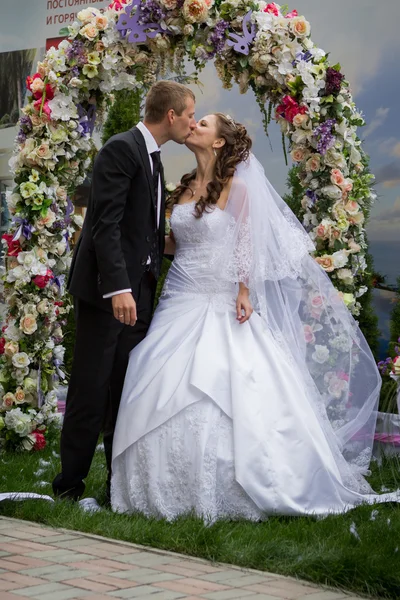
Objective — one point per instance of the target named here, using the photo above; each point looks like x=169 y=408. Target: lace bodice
x=202 y=248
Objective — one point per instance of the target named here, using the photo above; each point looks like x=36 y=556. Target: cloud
x=386 y=225
x=346 y=30
x=388 y=175
x=396 y=150
x=388 y=146
x=390 y=213
x=378 y=120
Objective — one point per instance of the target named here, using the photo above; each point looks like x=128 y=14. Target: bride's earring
x=215 y=153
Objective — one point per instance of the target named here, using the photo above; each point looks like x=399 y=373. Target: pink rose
x=337 y=177
x=298 y=154
x=289 y=108
x=313 y=163
x=347 y=185
x=45 y=108
x=292 y=14
x=343 y=375
x=8 y=401
x=354 y=247
x=300 y=27
x=272 y=8
x=299 y=119
x=42 y=280
x=101 y=22
x=309 y=336
x=337 y=387
x=89 y=31
x=352 y=207
x=40 y=440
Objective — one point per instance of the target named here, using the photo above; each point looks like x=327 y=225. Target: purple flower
x=21 y=137
x=151 y=12
x=333 y=81
x=217 y=38
x=312 y=196
x=305 y=56
x=324 y=135
x=25 y=124
x=76 y=54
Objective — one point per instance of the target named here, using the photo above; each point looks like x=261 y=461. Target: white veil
x=270 y=250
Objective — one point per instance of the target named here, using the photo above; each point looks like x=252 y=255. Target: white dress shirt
x=151 y=146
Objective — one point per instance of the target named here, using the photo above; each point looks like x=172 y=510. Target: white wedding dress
x=215 y=418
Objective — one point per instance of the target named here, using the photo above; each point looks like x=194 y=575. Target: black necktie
x=155 y=157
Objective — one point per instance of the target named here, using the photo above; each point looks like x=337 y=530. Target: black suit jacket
x=120 y=228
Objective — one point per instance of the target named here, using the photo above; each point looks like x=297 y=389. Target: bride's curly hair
x=235 y=150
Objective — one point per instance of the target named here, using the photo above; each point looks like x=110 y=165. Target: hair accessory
x=231 y=120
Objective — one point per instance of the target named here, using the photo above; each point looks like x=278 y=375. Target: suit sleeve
x=113 y=171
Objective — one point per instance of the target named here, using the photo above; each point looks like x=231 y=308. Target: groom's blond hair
x=163 y=96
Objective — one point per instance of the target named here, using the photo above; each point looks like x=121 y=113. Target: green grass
x=322 y=551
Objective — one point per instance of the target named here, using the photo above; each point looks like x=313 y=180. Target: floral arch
x=257 y=45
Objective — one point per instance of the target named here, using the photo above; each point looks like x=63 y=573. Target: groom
x=114 y=273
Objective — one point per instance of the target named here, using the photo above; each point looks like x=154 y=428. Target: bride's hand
x=244 y=308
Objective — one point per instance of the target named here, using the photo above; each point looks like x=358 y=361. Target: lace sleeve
x=241 y=253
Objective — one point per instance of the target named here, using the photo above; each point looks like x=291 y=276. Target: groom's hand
x=124 y=308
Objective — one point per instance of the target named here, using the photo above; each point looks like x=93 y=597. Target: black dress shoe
x=63 y=490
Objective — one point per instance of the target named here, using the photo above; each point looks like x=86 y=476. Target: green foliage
x=395 y=322
x=323 y=551
x=296 y=192
x=123 y=114
x=368 y=320
x=388 y=396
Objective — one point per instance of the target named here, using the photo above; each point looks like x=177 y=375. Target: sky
x=362 y=35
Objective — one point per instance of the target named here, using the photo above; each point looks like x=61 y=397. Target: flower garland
x=258 y=45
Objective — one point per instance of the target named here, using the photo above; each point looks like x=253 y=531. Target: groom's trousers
x=101 y=356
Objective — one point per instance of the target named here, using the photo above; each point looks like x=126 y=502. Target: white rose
x=30 y=308
x=59 y=352
x=19 y=421
x=346 y=276
x=21 y=360
x=61 y=247
x=28 y=442
x=12 y=332
x=51 y=399
x=12 y=201
x=340 y=258
x=23 y=427
x=337 y=387
x=332 y=191
x=355 y=156
x=43 y=306
x=300 y=27
x=30 y=385
x=321 y=354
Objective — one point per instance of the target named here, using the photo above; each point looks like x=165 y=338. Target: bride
x=254 y=392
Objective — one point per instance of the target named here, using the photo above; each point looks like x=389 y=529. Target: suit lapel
x=146 y=163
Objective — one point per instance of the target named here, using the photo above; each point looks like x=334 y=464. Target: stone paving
x=43 y=563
